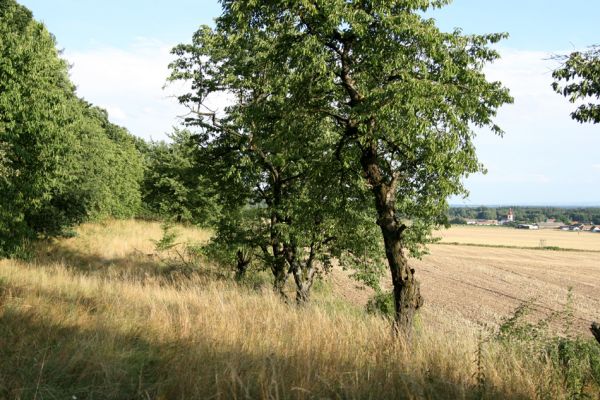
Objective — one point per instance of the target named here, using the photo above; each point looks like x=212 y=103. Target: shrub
x=382 y=303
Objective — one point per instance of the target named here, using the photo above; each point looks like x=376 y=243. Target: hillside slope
x=99 y=317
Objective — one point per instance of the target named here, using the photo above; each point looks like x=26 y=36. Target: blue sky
x=120 y=51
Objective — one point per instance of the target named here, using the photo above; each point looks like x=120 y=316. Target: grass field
x=500 y=236
x=99 y=316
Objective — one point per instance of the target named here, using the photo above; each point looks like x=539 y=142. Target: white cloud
x=128 y=84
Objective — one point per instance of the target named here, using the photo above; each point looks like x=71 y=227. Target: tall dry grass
x=87 y=333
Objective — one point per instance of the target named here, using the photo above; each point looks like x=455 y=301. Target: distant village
x=550 y=223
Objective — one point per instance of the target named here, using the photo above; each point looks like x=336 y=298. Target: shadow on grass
x=43 y=359
x=135 y=265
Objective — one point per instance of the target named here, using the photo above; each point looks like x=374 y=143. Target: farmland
x=500 y=236
x=483 y=284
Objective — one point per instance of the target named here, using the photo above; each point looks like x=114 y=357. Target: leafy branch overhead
x=578 y=79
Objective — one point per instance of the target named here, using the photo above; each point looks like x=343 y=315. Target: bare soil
x=484 y=285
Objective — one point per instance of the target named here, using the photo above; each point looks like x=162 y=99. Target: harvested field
x=484 y=285
x=500 y=236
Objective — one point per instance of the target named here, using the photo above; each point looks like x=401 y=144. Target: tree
x=487 y=213
x=35 y=122
x=580 y=78
x=173 y=186
x=272 y=164
x=402 y=96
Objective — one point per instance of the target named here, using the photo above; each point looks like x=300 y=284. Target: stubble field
x=469 y=279
x=500 y=236
x=485 y=284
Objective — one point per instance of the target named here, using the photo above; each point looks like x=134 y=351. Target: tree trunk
x=304 y=273
x=595 y=328
x=280 y=275
x=243 y=261
x=302 y=294
x=407 y=294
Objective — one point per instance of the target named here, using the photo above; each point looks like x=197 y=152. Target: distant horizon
x=555 y=205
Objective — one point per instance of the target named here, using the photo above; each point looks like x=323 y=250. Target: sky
x=120 y=50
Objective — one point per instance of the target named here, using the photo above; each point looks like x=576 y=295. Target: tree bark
x=595 y=328
x=243 y=261
x=280 y=274
x=407 y=294
x=304 y=274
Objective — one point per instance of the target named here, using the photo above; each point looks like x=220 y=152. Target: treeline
x=62 y=161
x=459 y=215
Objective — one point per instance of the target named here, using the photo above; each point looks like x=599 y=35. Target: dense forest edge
x=305 y=173
x=62 y=162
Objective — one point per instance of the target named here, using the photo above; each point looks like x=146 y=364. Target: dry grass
x=501 y=236
x=68 y=332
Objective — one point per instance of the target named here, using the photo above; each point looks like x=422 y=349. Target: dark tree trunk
x=595 y=328
x=407 y=294
x=278 y=264
x=243 y=262
x=304 y=273
x=280 y=275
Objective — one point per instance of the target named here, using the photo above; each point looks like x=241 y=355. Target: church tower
x=511 y=216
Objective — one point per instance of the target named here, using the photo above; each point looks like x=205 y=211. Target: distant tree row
x=458 y=215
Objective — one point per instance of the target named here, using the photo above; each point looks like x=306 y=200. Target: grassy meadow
x=103 y=316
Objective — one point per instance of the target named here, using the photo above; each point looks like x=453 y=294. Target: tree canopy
x=272 y=165
x=174 y=186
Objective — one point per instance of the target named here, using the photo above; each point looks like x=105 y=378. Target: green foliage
x=531 y=215
x=335 y=105
x=174 y=187
x=61 y=160
x=34 y=105
x=394 y=87
x=382 y=303
x=167 y=240
x=270 y=163
x=578 y=79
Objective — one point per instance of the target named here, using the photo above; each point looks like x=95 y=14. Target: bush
x=382 y=303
